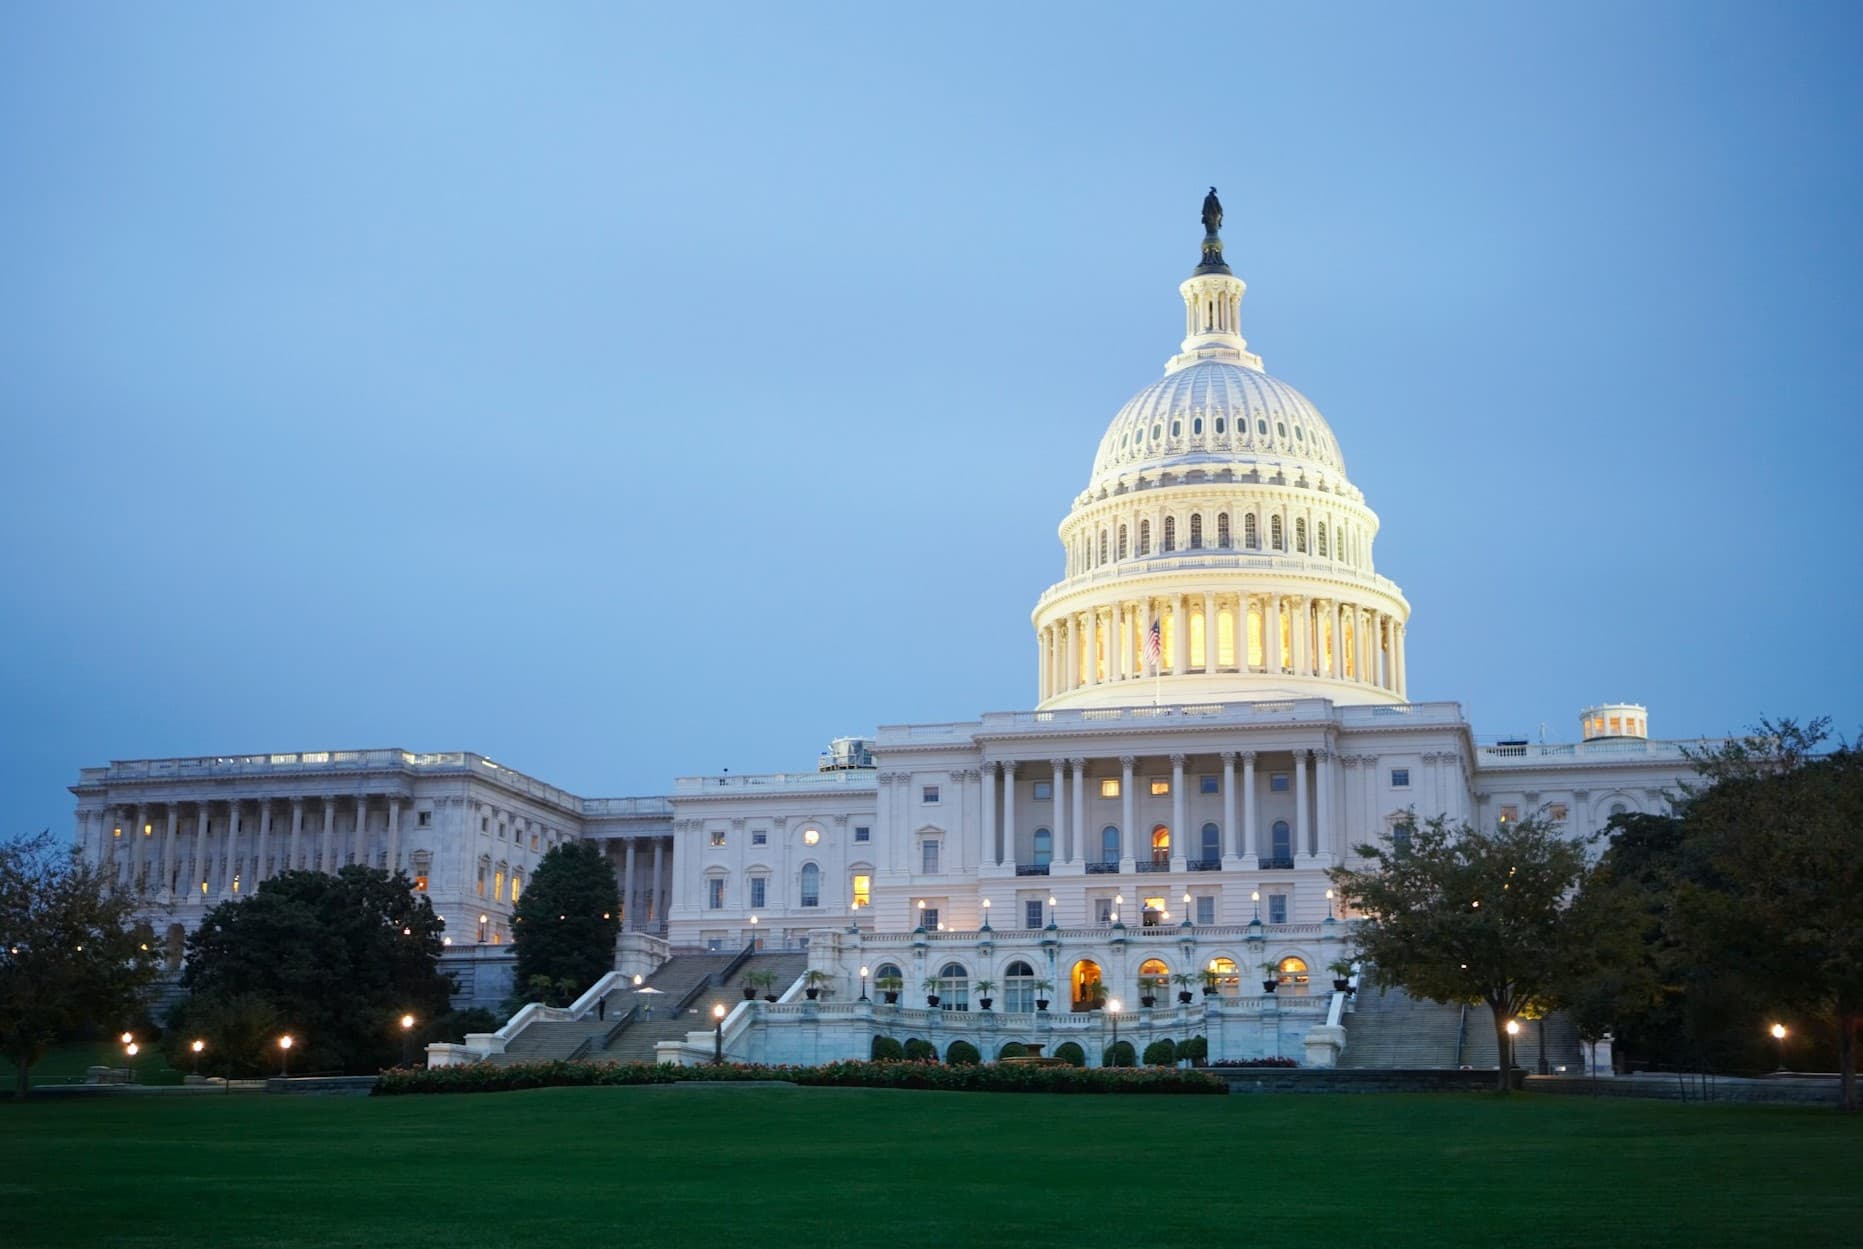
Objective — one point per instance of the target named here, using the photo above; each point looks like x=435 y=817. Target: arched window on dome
x=1196 y=531
x=1144 y=547
x=1222 y=530
x=1170 y=534
x=1321 y=541
x=1122 y=541
x=1300 y=534
x=1254 y=636
x=1104 y=542
x=1277 y=537
x=1225 y=638
x=1251 y=536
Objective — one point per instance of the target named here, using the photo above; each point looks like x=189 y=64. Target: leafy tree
x=1120 y=1054
x=238 y=1032
x=71 y=953
x=887 y=1049
x=1161 y=1053
x=568 y=917
x=338 y=959
x=1070 y=1053
x=962 y=1054
x=1459 y=914
x=919 y=1050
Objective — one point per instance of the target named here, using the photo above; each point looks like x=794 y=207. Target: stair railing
x=607 y=1038
x=730 y=969
x=706 y=983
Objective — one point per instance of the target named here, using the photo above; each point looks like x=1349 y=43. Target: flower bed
x=994 y=1078
x=1255 y=1062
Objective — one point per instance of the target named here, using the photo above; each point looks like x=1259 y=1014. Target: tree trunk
x=1846 y=1060
x=21 y=1074
x=1503 y=1048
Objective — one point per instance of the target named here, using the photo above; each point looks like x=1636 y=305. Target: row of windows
x=810 y=835
x=1112 y=544
x=808 y=890
x=1019 y=990
x=1135 y=439
x=1209 y=844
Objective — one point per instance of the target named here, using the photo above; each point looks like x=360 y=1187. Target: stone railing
x=721 y=786
x=1623 y=748
x=1159 y=933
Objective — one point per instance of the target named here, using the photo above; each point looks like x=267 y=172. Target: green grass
x=722 y=1167
x=65 y=1064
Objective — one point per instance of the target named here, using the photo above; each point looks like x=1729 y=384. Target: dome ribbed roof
x=1215 y=412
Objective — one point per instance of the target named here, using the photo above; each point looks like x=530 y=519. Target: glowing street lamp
x=921 y=927
x=1513 y=1030
x=1778 y=1031
x=1255 y=897
x=1112 y=1012
x=284 y=1054
x=986 y=915
x=1051 y=905
x=863 y=982
x=197 y=1045
x=1329 y=906
x=718 y=1018
x=130 y=1051
x=1186 y=908
x=407 y=1040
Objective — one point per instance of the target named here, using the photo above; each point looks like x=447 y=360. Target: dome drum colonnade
x=1219 y=509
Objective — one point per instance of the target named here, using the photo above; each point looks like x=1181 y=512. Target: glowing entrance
x=1085 y=979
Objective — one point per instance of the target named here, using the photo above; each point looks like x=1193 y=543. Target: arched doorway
x=1292 y=973
x=1084 y=980
x=1161 y=847
x=1154 y=978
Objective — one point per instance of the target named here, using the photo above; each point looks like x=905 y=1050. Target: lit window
x=714 y=894
x=718 y=837
x=420 y=884
x=811 y=835
x=929 y=794
x=1509 y=814
x=759 y=892
x=1044 y=791
x=863 y=890
x=1160 y=786
x=1208 y=785
x=1556 y=811
x=533 y=841
x=498 y=887
x=1109 y=787
x=517 y=886
x=1400 y=778
x=862 y=833
x=1292 y=971
x=1279 y=783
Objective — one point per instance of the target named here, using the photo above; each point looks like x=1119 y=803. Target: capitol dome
x=1219 y=552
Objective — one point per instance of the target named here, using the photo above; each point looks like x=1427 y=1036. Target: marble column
x=265 y=838
x=1251 y=839
x=1009 y=812
x=295 y=850
x=1057 y=789
x=394 y=834
x=198 y=872
x=359 y=854
x=1325 y=834
x=1077 y=843
x=1231 y=834
x=1209 y=632
x=656 y=908
x=627 y=890
x=1128 y=837
x=168 y=853
x=992 y=849
x=1179 y=806
x=1271 y=656
x=138 y=856
x=1180 y=635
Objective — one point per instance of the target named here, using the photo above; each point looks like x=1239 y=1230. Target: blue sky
x=626 y=393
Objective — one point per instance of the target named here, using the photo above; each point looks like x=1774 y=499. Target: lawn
x=66 y=1064
x=724 y=1167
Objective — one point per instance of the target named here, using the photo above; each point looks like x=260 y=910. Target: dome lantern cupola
x=1213 y=303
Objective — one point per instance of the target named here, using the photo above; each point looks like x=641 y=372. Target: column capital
x=1126 y=761
x=1249 y=756
x=1302 y=753
x=1077 y=762
x=1177 y=760
x=1009 y=768
x=1228 y=757
x=1057 y=764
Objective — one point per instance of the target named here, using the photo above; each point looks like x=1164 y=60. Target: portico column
x=1077 y=842
x=200 y=849
x=1072 y=676
x=394 y=834
x=1324 y=833
x=1180 y=635
x=1250 y=845
x=1126 y=801
x=1057 y=787
x=265 y=837
x=1122 y=644
x=229 y=856
x=1297 y=633
x=1009 y=812
x=992 y=849
x=138 y=853
x=627 y=890
x=297 y=834
x=1300 y=801
x=1209 y=632
x=359 y=854
x=1230 y=832
x=659 y=864
x=1271 y=627
x=326 y=849
x=168 y=853
x=1179 y=804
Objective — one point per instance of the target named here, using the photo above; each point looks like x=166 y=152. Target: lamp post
x=863 y=982
x=754 y=942
x=1186 y=908
x=1778 y=1031
x=1051 y=905
x=197 y=1045
x=130 y=1051
x=718 y=1016
x=284 y=1054
x=484 y=921
x=1329 y=906
x=1112 y=1012
x=407 y=1040
x=1513 y=1030
x=1255 y=897
x=1119 y=900
x=986 y=915
x=921 y=927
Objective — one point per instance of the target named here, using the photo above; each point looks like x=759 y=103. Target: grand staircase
x=654 y=1018
x=1392 y=1030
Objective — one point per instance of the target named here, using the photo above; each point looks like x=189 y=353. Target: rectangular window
x=501 y=832
x=533 y=841
x=420 y=884
x=1206 y=909
x=928 y=857
x=863 y=890
x=759 y=890
x=718 y=837
x=1160 y=786
x=1103 y=910
x=862 y=833
x=485 y=824
x=1556 y=811
x=1208 y=784
x=1277 y=908
x=928 y=916
x=929 y=794
x=1031 y=912
x=423 y=819
x=1400 y=778
x=1044 y=791
x=760 y=837
x=1109 y=787
x=1279 y=783
x=714 y=894
x=1509 y=814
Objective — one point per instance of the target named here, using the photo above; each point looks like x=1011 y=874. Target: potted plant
x=984 y=989
x=1096 y=995
x=765 y=980
x=930 y=985
x=1212 y=982
x=1042 y=989
x=1342 y=975
x=813 y=981
x=889 y=987
x=1184 y=980
x=1270 y=977
x=748 y=984
x=1148 y=990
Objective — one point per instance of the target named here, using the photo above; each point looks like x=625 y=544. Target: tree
x=71 y=953
x=567 y=919
x=1459 y=914
x=338 y=959
x=1777 y=840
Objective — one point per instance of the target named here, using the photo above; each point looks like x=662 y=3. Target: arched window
x=1109 y=845
x=1322 y=541
x=1122 y=541
x=811 y=885
x=1103 y=546
x=954 y=987
x=1196 y=531
x=1170 y=534
x=1300 y=534
x=1222 y=530
x=1161 y=845
x=888 y=972
x=1144 y=537
x=1044 y=847
x=1212 y=844
x=1281 y=842
x=1228 y=980
x=1019 y=987
x=1085 y=983
x=1225 y=638
x=1154 y=977
x=1292 y=972
x=1276 y=537
x=1251 y=538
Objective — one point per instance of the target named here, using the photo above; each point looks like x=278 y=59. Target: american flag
x=1154 y=645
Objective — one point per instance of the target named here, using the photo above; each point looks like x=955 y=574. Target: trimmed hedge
x=1196 y=1049
x=1070 y=1053
x=993 y=1078
x=1161 y=1053
x=1255 y=1062
x=962 y=1053
x=919 y=1050
x=1012 y=1049
x=1119 y=1055
x=886 y=1049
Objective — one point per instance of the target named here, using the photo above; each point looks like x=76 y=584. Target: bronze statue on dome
x=1212 y=213
x=1212 y=261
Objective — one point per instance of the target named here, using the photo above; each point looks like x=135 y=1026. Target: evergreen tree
x=567 y=920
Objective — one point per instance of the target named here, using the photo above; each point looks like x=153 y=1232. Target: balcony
x=1277 y=865
x=1031 y=869
x=1102 y=869
x=1153 y=865
x=1205 y=865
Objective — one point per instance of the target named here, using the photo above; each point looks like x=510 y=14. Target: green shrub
x=1012 y=1049
x=1120 y=1055
x=888 y=1050
x=920 y=1051
x=1070 y=1053
x=1161 y=1053
x=962 y=1054
x=961 y=1077
x=1196 y=1049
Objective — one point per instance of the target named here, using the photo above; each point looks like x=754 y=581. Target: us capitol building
x=1221 y=714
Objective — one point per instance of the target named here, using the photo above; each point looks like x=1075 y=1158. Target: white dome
x=1216 y=412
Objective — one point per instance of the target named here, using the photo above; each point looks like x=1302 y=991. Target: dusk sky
x=626 y=393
